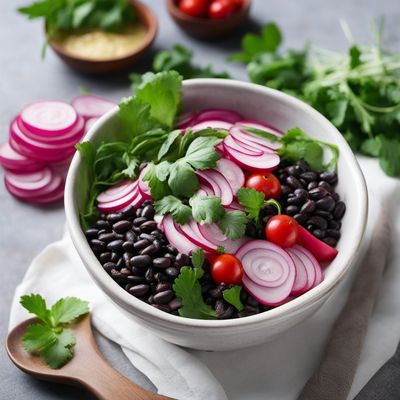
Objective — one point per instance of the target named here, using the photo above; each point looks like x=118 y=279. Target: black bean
x=114 y=257
x=319 y=233
x=172 y=272
x=228 y=313
x=175 y=304
x=309 y=176
x=129 y=212
x=330 y=241
x=148 y=212
x=162 y=307
x=147 y=236
x=317 y=193
x=328 y=176
x=105 y=257
x=219 y=308
x=172 y=249
x=317 y=221
x=286 y=190
x=139 y=221
x=252 y=301
x=125 y=271
x=160 y=277
x=120 y=263
x=114 y=217
x=302 y=193
x=326 y=203
x=296 y=200
x=128 y=246
x=127 y=257
x=282 y=177
x=149 y=275
x=97 y=245
x=101 y=224
x=309 y=227
x=137 y=271
x=148 y=226
x=122 y=226
x=334 y=233
x=303 y=182
x=243 y=296
x=115 y=245
x=157 y=244
x=251 y=229
x=216 y=292
x=308 y=207
x=339 y=210
x=108 y=266
x=157 y=233
x=334 y=224
x=161 y=287
x=335 y=197
x=91 y=233
x=301 y=218
x=139 y=290
x=293 y=182
x=326 y=186
x=294 y=170
x=141 y=261
x=312 y=185
x=131 y=236
x=107 y=237
x=182 y=260
x=324 y=214
x=150 y=299
x=137 y=230
x=164 y=297
x=136 y=279
x=303 y=165
x=141 y=244
x=117 y=276
x=170 y=256
x=149 y=250
x=162 y=262
x=291 y=210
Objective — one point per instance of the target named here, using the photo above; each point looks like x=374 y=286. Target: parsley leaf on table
x=232 y=296
x=207 y=209
x=49 y=338
x=180 y=212
x=187 y=287
x=233 y=224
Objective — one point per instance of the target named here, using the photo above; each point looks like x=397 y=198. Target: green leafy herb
x=201 y=153
x=178 y=59
x=198 y=258
x=182 y=180
x=207 y=209
x=187 y=288
x=221 y=250
x=252 y=201
x=296 y=145
x=180 y=212
x=233 y=224
x=232 y=296
x=156 y=176
x=49 y=338
x=359 y=91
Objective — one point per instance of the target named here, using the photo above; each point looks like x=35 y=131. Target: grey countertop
x=25 y=230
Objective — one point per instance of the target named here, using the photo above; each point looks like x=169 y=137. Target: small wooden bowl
x=204 y=28
x=98 y=67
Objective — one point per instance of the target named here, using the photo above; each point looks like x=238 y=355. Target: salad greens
x=232 y=296
x=179 y=59
x=50 y=338
x=358 y=91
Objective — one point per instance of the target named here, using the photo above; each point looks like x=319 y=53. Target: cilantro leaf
x=198 y=258
x=207 y=209
x=35 y=304
x=252 y=201
x=187 y=288
x=68 y=309
x=233 y=224
x=162 y=91
x=221 y=250
x=180 y=212
x=182 y=180
x=61 y=351
x=155 y=176
x=232 y=296
x=166 y=146
x=201 y=153
x=37 y=337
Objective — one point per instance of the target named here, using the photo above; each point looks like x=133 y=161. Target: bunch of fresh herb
x=358 y=91
x=50 y=338
x=179 y=59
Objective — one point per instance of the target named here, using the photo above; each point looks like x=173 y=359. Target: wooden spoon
x=87 y=369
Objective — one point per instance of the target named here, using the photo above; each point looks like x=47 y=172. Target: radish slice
x=52 y=197
x=253 y=140
x=14 y=161
x=218 y=183
x=120 y=203
x=30 y=183
x=258 y=125
x=219 y=114
x=89 y=106
x=231 y=144
x=302 y=281
x=319 y=276
x=49 y=118
x=265 y=162
x=186 y=120
x=216 y=124
x=320 y=250
x=117 y=191
x=89 y=123
x=232 y=173
x=265 y=263
x=176 y=238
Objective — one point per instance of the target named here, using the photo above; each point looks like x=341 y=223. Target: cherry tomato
x=282 y=230
x=220 y=9
x=268 y=184
x=226 y=268
x=238 y=4
x=195 y=8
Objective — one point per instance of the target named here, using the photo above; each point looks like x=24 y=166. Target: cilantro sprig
x=232 y=296
x=50 y=338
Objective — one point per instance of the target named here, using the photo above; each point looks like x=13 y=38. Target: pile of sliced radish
x=272 y=274
x=42 y=139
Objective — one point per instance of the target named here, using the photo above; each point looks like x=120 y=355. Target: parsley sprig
x=50 y=338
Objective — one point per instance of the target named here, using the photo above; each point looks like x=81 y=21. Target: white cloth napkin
x=276 y=370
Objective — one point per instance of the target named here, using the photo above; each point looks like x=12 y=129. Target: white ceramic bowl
x=279 y=110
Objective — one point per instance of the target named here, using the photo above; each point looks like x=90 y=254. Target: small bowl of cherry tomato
x=207 y=19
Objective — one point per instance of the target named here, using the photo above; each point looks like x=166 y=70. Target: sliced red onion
x=230 y=144
x=143 y=185
x=205 y=190
x=49 y=118
x=120 y=203
x=218 y=181
x=259 y=125
x=176 y=238
x=308 y=262
x=220 y=149
x=192 y=232
x=117 y=191
x=219 y=114
x=216 y=124
x=249 y=139
x=52 y=197
x=232 y=173
x=186 y=120
x=235 y=206
x=16 y=162
x=89 y=106
x=29 y=183
x=301 y=283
